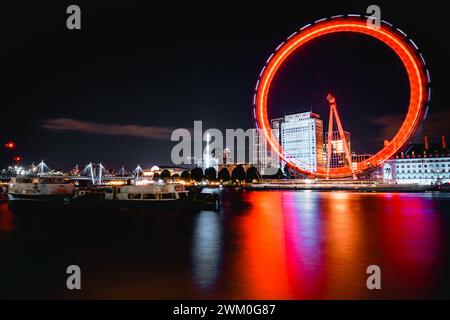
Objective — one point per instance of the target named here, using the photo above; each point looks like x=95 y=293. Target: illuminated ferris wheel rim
x=394 y=38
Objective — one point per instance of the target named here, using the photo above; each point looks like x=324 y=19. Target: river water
x=261 y=245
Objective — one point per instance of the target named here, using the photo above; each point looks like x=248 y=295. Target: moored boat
x=40 y=188
x=151 y=194
x=170 y=195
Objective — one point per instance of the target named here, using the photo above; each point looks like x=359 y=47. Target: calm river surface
x=261 y=245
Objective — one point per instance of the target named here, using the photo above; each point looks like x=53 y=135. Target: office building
x=338 y=157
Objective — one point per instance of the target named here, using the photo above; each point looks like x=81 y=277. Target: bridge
x=97 y=174
x=93 y=172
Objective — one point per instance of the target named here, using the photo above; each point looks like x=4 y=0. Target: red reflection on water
x=297 y=245
x=301 y=246
x=6 y=218
x=413 y=243
x=261 y=263
x=305 y=267
x=346 y=248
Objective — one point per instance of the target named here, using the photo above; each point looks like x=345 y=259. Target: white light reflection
x=308 y=214
x=206 y=249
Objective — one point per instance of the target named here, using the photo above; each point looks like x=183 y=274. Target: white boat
x=153 y=194
x=42 y=188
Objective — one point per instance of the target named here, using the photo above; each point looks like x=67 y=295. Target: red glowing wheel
x=397 y=40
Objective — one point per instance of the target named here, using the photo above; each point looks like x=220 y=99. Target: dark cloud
x=434 y=126
x=437 y=123
x=389 y=125
x=147 y=132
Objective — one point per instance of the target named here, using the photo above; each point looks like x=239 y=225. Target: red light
x=10 y=145
x=17 y=158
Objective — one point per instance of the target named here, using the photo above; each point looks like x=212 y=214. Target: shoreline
x=347 y=187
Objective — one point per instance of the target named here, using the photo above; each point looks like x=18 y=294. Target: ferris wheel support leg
x=329 y=145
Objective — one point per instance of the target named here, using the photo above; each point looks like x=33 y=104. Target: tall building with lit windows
x=338 y=157
x=301 y=136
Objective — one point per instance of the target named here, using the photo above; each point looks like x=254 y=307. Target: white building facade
x=302 y=140
x=418 y=170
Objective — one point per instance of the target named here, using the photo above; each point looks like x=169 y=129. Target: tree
x=210 y=173
x=224 y=175
x=186 y=175
x=156 y=177
x=252 y=174
x=290 y=173
x=238 y=173
x=176 y=175
x=279 y=174
x=287 y=171
x=165 y=174
x=197 y=174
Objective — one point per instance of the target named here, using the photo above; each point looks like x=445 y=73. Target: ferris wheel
x=397 y=40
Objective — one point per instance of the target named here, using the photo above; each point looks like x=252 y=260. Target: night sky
x=113 y=91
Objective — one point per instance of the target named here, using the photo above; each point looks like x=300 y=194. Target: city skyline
x=114 y=101
x=222 y=158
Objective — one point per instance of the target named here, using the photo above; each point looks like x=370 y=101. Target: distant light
x=115 y=183
x=304 y=27
x=143 y=182
x=10 y=145
x=17 y=158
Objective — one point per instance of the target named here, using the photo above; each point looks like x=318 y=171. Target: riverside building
x=425 y=164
